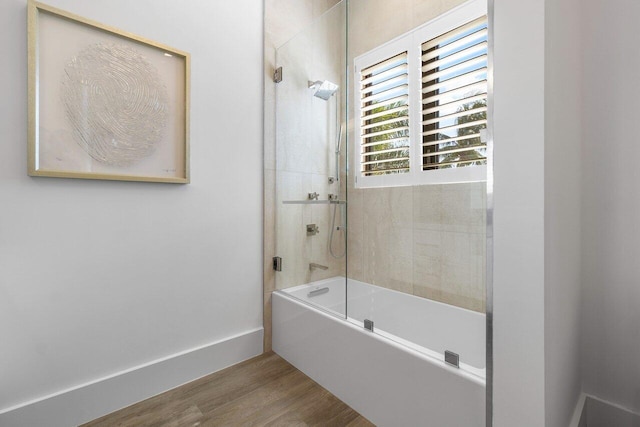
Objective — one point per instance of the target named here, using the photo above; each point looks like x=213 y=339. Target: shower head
x=323 y=89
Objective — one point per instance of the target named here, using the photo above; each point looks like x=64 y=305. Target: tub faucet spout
x=313 y=266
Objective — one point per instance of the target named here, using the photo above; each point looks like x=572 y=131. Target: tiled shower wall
x=425 y=240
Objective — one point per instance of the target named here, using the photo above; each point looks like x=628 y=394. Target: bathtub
x=397 y=375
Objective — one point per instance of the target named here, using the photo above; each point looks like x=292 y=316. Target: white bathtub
x=397 y=375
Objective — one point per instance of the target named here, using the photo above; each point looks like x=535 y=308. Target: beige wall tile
x=269 y=109
x=374 y=22
x=286 y=18
x=321 y=6
x=424 y=11
x=267 y=323
x=355 y=234
x=269 y=238
x=427 y=207
x=425 y=240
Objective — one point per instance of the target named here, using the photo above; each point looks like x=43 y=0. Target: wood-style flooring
x=263 y=391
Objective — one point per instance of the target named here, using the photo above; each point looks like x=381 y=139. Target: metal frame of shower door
x=489 y=213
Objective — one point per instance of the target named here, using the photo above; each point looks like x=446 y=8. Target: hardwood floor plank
x=318 y=408
x=360 y=421
x=261 y=405
x=299 y=412
x=235 y=382
x=333 y=412
x=263 y=391
x=166 y=415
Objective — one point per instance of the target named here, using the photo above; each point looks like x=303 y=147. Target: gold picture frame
x=104 y=103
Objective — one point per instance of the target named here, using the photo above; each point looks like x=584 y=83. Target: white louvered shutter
x=454 y=97
x=384 y=117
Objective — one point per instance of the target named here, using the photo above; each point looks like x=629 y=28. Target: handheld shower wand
x=337 y=153
x=335 y=207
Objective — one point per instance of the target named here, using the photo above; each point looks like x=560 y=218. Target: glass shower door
x=310 y=166
x=416 y=259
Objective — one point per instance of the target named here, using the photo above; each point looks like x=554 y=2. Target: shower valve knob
x=312 y=229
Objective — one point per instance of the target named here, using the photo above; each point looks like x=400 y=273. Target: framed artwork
x=103 y=103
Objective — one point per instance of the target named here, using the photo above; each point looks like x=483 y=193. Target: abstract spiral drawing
x=115 y=102
x=104 y=103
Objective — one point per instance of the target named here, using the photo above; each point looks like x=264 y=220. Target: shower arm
x=338 y=141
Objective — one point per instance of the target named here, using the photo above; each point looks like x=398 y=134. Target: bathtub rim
x=321 y=281
x=467 y=372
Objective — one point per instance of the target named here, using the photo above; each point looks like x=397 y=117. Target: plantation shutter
x=454 y=97
x=384 y=115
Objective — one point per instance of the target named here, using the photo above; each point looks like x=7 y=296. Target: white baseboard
x=592 y=410
x=578 y=420
x=103 y=396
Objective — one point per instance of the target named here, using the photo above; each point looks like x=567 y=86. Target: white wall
x=611 y=202
x=562 y=215
x=518 y=285
x=98 y=277
x=591 y=202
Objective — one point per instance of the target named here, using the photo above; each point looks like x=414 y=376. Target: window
x=385 y=117
x=422 y=104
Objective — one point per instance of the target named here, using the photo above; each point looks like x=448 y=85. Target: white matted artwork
x=103 y=103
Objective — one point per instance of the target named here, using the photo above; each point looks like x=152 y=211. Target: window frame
x=411 y=42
